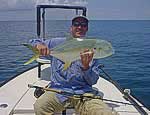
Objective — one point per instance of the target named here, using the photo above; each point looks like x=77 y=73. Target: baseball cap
x=83 y=17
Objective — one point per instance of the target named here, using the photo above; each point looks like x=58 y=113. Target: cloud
x=30 y=4
x=17 y=4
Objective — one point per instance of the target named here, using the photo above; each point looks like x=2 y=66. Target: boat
x=17 y=95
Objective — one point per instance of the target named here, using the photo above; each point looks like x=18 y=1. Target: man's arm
x=44 y=45
x=91 y=75
x=90 y=72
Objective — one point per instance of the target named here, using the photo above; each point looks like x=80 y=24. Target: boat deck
x=20 y=98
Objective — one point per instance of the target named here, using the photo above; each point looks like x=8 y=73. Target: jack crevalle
x=69 y=50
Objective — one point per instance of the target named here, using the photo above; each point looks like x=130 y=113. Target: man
x=77 y=79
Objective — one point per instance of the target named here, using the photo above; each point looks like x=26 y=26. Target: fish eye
x=94 y=49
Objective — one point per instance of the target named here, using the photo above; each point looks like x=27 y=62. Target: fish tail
x=31 y=60
x=35 y=56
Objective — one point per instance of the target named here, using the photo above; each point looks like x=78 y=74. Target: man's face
x=79 y=28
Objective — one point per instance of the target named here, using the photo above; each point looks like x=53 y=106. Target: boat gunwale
x=13 y=77
x=130 y=97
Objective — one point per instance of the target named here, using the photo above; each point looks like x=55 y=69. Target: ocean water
x=129 y=66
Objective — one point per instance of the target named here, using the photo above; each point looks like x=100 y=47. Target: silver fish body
x=69 y=51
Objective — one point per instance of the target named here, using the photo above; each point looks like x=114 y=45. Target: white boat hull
x=19 y=98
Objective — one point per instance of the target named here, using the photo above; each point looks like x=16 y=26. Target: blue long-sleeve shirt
x=74 y=79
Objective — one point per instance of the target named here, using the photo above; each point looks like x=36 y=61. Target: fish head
x=103 y=49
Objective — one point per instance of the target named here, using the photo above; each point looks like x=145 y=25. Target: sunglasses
x=82 y=24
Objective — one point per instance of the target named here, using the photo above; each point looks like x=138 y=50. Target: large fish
x=69 y=50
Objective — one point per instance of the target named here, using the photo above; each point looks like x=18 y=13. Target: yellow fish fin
x=66 y=65
x=31 y=59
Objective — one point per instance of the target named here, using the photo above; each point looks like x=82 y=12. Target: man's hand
x=43 y=49
x=86 y=58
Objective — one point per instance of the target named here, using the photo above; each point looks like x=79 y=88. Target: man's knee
x=47 y=104
x=99 y=111
x=98 y=107
x=37 y=108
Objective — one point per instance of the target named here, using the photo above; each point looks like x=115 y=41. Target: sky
x=97 y=10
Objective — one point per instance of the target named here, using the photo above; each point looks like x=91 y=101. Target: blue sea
x=129 y=66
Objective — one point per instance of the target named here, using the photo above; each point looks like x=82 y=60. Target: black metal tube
x=38 y=22
x=84 y=11
x=62 y=6
x=43 y=18
x=39 y=70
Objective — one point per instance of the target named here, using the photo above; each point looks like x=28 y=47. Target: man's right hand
x=43 y=49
